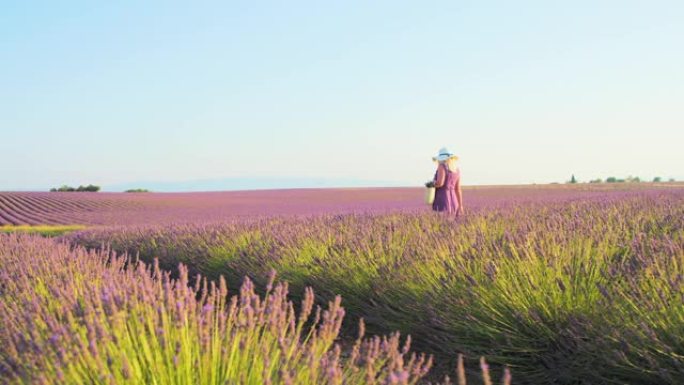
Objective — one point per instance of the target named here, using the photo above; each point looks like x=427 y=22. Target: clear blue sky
x=524 y=91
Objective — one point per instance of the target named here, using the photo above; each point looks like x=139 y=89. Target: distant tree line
x=612 y=179
x=65 y=188
x=137 y=190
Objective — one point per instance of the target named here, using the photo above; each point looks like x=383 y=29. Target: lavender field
x=38 y=208
x=563 y=284
x=70 y=316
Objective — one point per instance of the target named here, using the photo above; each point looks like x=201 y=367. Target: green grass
x=44 y=230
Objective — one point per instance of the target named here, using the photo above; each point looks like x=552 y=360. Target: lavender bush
x=71 y=316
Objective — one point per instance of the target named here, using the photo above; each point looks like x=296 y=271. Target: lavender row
x=580 y=289
x=69 y=316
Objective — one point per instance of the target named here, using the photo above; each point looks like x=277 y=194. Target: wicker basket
x=430 y=195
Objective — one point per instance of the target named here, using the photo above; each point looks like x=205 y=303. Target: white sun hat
x=443 y=155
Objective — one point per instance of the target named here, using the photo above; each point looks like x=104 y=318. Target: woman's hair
x=451 y=164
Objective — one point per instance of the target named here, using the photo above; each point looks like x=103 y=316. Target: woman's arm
x=440 y=178
x=459 y=196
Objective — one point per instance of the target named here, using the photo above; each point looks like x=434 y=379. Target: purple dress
x=445 y=196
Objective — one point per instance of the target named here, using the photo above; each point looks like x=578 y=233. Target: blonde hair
x=450 y=163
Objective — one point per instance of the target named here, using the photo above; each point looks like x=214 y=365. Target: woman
x=448 y=196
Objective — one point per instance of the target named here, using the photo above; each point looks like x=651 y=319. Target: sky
x=351 y=92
